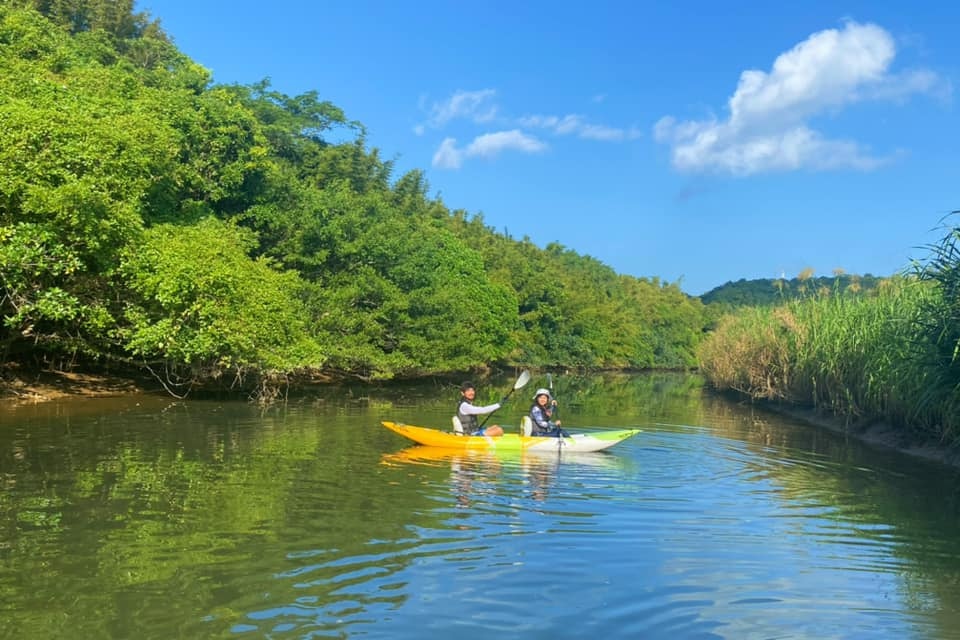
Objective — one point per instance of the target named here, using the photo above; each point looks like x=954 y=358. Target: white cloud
x=767 y=128
x=577 y=125
x=491 y=144
x=608 y=134
x=477 y=106
x=480 y=108
x=447 y=156
x=488 y=145
x=567 y=124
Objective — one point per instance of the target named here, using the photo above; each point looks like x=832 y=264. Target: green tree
x=118 y=158
x=204 y=309
x=78 y=156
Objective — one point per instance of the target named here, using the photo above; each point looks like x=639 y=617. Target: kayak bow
x=579 y=442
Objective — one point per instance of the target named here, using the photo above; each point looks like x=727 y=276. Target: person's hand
x=553 y=403
x=557 y=422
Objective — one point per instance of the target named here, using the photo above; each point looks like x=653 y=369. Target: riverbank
x=875 y=432
x=44 y=386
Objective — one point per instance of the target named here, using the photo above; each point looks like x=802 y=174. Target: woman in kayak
x=467 y=413
x=541 y=412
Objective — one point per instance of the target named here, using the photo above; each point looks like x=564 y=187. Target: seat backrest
x=457 y=426
x=526 y=426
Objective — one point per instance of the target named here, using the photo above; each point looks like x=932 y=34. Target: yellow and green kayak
x=578 y=442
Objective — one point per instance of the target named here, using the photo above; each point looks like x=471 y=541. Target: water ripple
x=320 y=524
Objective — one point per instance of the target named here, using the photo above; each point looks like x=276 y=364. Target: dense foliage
x=940 y=324
x=889 y=354
x=769 y=291
x=217 y=233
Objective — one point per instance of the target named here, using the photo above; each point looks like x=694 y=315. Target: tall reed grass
x=941 y=319
x=862 y=357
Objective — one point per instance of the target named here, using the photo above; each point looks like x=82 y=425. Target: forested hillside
x=216 y=234
x=768 y=291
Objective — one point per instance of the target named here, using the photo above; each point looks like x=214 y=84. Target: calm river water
x=143 y=517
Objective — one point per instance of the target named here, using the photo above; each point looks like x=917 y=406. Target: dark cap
x=466 y=385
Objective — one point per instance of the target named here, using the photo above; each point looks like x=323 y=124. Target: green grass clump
x=861 y=357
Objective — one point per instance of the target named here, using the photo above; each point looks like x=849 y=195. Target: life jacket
x=540 y=414
x=469 y=422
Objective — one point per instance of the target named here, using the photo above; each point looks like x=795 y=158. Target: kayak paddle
x=519 y=384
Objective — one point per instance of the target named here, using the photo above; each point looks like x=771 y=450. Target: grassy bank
x=889 y=356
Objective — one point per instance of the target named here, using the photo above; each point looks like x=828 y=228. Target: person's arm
x=468 y=409
x=549 y=413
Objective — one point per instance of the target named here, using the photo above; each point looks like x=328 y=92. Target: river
x=145 y=517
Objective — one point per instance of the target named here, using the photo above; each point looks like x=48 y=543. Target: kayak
x=578 y=442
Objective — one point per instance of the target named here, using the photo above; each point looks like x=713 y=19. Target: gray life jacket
x=469 y=422
x=538 y=414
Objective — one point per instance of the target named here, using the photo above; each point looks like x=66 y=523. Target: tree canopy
x=233 y=233
x=770 y=291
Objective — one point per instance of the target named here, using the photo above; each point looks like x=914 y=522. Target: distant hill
x=767 y=291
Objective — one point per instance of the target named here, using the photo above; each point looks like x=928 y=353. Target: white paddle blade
x=522 y=380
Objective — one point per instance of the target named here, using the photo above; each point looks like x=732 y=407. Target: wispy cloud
x=608 y=134
x=579 y=126
x=768 y=125
x=477 y=106
x=480 y=108
x=488 y=145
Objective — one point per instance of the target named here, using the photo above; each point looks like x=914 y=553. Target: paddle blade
x=522 y=380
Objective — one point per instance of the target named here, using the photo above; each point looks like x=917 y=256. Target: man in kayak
x=540 y=414
x=467 y=413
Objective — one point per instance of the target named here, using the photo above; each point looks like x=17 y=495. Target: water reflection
x=471 y=471
x=145 y=518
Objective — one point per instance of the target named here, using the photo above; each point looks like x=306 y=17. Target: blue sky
x=690 y=141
